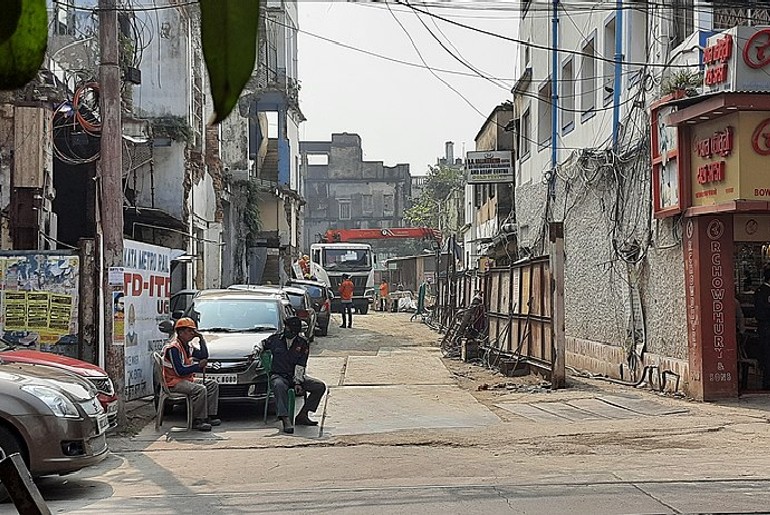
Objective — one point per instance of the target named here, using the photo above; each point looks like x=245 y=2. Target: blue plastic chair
x=266 y=359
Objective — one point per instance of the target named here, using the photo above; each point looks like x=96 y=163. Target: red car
x=94 y=374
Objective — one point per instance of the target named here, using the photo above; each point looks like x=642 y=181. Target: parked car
x=181 y=300
x=264 y=289
x=321 y=296
x=52 y=418
x=10 y=353
x=303 y=308
x=233 y=322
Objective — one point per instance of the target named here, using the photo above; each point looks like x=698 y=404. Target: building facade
x=345 y=192
x=583 y=147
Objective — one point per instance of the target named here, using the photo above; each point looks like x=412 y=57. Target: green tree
x=426 y=210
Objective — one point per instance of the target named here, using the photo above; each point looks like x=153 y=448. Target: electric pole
x=110 y=190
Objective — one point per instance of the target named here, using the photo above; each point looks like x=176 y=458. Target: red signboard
x=756 y=53
x=709 y=287
x=715 y=58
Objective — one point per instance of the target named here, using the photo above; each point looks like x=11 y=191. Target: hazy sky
x=404 y=114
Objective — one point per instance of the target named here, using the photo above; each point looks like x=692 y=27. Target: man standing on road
x=179 y=373
x=384 y=292
x=346 y=293
x=762 y=314
x=290 y=352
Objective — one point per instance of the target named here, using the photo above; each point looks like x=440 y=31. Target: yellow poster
x=38 y=303
x=60 y=312
x=15 y=310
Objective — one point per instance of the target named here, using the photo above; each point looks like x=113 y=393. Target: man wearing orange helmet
x=179 y=373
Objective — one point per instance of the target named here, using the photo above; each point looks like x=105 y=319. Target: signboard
x=709 y=287
x=138 y=308
x=729 y=157
x=667 y=183
x=737 y=59
x=38 y=301
x=489 y=167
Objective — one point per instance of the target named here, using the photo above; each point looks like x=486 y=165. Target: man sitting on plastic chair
x=290 y=352
x=179 y=373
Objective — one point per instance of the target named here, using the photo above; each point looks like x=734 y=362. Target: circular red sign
x=756 y=54
x=760 y=140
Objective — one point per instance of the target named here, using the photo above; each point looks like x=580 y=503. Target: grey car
x=52 y=418
x=233 y=322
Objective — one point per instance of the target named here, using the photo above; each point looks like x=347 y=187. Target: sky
x=403 y=114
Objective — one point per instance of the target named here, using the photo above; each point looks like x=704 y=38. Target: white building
x=581 y=108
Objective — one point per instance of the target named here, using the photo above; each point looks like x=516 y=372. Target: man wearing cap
x=290 y=352
x=346 y=294
x=179 y=373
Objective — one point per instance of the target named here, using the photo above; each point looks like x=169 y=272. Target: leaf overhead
x=229 y=36
x=21 y=54
x=9 y=19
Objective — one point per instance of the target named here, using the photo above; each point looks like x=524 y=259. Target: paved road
x=400 y=436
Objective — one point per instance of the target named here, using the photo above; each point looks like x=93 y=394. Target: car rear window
x=236 y=314
x=314 y=291
x=297 y=301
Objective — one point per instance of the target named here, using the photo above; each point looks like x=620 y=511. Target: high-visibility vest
x=169 y=373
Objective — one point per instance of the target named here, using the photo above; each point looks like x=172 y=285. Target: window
x=367 y=205
x=609 y=67
x=567 y=97
x=684 y=20
x=544 y=114
x=524 y=136
x=588 y=79
x=477 y=195
x=344 y=209
x=387 y=204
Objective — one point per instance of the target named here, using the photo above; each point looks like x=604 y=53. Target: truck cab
x=329 y=261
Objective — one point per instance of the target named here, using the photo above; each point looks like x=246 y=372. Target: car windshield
x=351 y=260
x=231 y=315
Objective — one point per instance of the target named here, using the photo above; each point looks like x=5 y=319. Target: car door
x=313 y=313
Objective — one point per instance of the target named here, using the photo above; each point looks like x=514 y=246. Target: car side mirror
x=167 y=327
x=176 y=315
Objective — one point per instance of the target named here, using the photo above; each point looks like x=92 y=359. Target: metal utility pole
x=110 y=189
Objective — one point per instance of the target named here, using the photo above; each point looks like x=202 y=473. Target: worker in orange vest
x=179 y=373
x=384 y=292
x=346 y=293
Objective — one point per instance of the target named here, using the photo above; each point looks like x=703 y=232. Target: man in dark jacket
x=762 y=314
x=290 y=352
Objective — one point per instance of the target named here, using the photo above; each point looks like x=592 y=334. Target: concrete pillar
x=710 y=295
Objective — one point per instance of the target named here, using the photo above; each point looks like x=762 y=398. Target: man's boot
x=287 y=427
x=302 y=419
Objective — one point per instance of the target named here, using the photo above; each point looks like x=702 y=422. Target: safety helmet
x=185 y=322
x=305 y=257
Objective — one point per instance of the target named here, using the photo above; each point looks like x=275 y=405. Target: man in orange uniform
x=179 y=373
x=346 y=293
x=384 y=292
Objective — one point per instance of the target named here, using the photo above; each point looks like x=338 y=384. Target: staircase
x=269 y=170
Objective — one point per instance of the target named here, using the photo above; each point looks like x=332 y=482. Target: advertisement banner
x=138 y=308
x=38 y=301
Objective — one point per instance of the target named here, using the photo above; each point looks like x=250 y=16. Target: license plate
x=224 y=378
x=112 y=408
x=102 y=423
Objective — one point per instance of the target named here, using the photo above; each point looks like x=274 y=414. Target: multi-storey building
x=636 y=222
x=345 y=192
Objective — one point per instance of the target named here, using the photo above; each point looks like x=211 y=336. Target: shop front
x=723 y=189
x=711 y=166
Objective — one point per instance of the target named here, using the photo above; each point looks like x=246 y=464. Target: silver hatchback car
x=52 y=418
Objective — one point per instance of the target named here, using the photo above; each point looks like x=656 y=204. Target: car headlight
x=60 y=405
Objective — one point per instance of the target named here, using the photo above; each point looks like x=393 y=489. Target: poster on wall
x=38 y=301
x=139 y=308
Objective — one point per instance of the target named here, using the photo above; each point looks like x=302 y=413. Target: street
x=404 y=431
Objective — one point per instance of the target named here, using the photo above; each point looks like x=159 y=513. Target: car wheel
x=9 y=444
x=324 y=330
x=364 y=309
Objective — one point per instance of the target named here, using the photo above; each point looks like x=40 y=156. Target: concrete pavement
x=405 y=431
